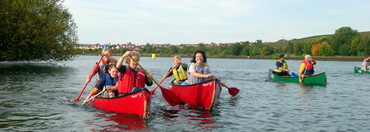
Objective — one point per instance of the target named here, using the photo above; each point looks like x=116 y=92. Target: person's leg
x=176 y=82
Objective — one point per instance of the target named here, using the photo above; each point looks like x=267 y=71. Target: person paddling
x=307 y=67
x=199 y=70
x=366 y=64
x=281 y=66
x=132 y=78
x=178 y=72
x=105 y=61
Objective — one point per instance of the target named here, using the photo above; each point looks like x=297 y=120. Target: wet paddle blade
x=170 y=97
x=151 y=92
x=233 y=91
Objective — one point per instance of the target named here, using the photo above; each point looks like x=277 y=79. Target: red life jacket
x=130 y=80
x=309 y=67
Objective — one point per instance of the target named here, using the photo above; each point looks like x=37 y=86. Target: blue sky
x=206 y=21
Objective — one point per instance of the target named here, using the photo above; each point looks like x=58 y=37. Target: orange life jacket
x=130 y=80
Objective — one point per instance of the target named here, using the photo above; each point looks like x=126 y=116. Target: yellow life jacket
x=179 y=74
x=285 y=66
x=204 y=64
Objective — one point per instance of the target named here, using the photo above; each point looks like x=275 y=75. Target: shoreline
x=329 y=58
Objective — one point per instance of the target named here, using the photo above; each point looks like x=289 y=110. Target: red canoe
x=203 y=95
x=137 y=103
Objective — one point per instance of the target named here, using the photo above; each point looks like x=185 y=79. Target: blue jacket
x=107 y=80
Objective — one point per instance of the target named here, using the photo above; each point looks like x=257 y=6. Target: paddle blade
x=233 y=91
x=151 y=92
x=170 y=97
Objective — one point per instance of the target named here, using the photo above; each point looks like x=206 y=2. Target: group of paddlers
x=307 y=67
x=305 y=70
x=116 y=79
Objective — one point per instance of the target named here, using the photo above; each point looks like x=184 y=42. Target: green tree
x=354 y=44
x=306 y=49
x=297 y=48
x=344 y=50
x=325 y=49
x=266 y=50
x=259 y=41
x=245 y=51
x=36 y=30
x=343 y=36
x=234 y=49
x=363 y=49
x=290 y=48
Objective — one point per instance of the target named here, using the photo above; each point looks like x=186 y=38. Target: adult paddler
x=307 y=68
x=281 y=66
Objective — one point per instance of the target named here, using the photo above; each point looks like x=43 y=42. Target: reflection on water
x=280 y=84
x=121 y=122
x=200 y=119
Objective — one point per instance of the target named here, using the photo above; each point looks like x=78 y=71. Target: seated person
x=109 y=81
x=281 y=66
x=179 y=71
x=199 y=70
x=366 y=64
x=131 y=77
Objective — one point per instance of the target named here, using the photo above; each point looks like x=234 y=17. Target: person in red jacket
x=131 y=77
x=307 y=67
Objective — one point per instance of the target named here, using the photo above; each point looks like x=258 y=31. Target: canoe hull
x=319 y=79
x=137 y=103
x=358 y=70
x=205 y=95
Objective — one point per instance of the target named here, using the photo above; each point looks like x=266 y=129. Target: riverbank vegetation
x=344 y=43
x=36 y=30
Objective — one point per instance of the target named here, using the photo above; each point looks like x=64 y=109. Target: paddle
x=304 y=73
x=168 y=95
x=95 y=67
x=83 y=89
x=232 y=91
x=94 y=96
x=168 y=73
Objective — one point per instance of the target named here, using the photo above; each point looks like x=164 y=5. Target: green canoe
x=319 y=79
x=358 y=70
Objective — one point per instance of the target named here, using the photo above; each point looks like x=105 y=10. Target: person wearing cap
x=281 y=66
x=306 y=69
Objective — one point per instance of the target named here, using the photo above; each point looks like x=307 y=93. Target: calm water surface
x=37 y=97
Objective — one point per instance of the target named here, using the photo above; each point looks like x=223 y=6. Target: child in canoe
x=178 y=71
x=131 y=77
x=108 y=81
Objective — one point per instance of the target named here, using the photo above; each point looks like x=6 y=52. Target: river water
x=37 y=97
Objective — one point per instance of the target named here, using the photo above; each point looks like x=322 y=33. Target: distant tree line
x=345 y=42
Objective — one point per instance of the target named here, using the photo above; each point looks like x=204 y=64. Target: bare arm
x=120 y=61
x=198 y=75
x=282 y=69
